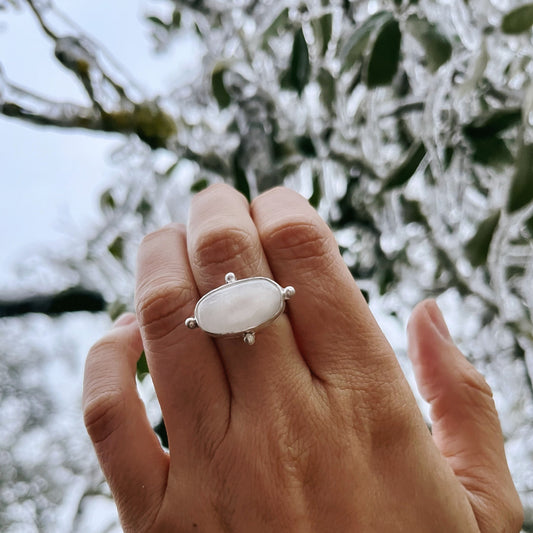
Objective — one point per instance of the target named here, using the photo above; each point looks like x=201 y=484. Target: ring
x=240 y=308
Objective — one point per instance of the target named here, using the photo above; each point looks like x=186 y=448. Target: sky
x=51 y=179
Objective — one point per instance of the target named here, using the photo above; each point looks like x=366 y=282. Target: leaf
x=240 y=180
x=142 y=367
x=116 y=248
x=437 y=47
x=327 y=88
x=107 y=202
x=322 y=27
x=157 y=22
x=144 y=208
x=518 y=20
x=316 y=196
x=529 y=226
x=491 y=151
x=411 y=211
x=403 y=173
x=305 y=146
x=219 y=89
x=493 y=122
x=385 y=55
x=176 y=19
x=477 y=248
x=356 y=45
x=297 y=76
x=521 y=189
x=199 y=185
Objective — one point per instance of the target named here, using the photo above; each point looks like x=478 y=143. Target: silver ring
x=240 y=308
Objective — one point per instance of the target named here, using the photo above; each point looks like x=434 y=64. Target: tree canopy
x=406 y=123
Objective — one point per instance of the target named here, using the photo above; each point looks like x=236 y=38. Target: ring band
x=240 y=307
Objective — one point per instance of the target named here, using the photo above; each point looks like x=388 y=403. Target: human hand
x=313 y=428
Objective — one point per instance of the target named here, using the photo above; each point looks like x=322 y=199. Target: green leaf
x=116 y=248
x=306 y=146
x=157 y=22
x=403 y=173
x=322 y=27
x=176 y=19
x=219 y=89
x=477 y=248
x=240 y=180
x=491 y=151
x=199 y=185
x=327 y=88
x=411 y=211
x=521 y=190
x=493 y=122
x=355 y=47
x=107 y=202
x=315 y=198
x=142 y=367
x=297 y=76
x=385 y=55
x=144 y=208
x=437 y=47
x=529 y=226
x=518 y=20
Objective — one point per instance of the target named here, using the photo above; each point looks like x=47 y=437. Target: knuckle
x=222 y=245
x=301 y=240
x=102 y=414
x=162 y=304
x=475 y=386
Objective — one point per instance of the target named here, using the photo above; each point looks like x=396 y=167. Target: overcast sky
x=51 y=179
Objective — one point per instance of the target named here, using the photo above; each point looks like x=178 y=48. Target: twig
x=41 y=21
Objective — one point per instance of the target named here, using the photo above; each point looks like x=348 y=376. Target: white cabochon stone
x=239 y=306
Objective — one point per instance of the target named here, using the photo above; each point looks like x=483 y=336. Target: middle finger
x=222 y=238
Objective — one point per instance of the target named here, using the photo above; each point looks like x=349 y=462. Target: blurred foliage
x=406 y=123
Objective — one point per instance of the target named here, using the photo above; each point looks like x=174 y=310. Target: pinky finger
x=129 y=453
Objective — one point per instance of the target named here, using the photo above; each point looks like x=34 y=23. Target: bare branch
x=68 y=301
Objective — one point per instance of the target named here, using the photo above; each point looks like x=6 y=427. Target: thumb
x=466 y=428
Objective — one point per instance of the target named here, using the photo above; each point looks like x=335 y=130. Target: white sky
x=50 y=180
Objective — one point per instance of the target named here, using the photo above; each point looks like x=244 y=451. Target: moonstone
x=240 y=306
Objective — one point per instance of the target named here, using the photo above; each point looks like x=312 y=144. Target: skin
x=313 y=428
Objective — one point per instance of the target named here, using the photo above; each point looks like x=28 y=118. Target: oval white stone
x=240 y=306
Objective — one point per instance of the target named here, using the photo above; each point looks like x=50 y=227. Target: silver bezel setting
x=247 y=335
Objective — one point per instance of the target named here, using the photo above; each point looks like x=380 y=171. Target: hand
x=313 y=428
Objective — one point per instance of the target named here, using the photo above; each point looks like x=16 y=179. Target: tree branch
x=68 y=301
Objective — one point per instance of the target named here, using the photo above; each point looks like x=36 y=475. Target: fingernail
x=124 y=320
x=436 y=317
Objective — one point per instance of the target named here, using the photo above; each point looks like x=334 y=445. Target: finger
x=187 y=373
x=331 y=320
x=222 y=238
x=465 y=428
x=128 y=451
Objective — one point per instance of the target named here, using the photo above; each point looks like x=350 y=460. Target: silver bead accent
x=230 y=277
x=249 y=338
x=191 y=323
x=288 y=292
